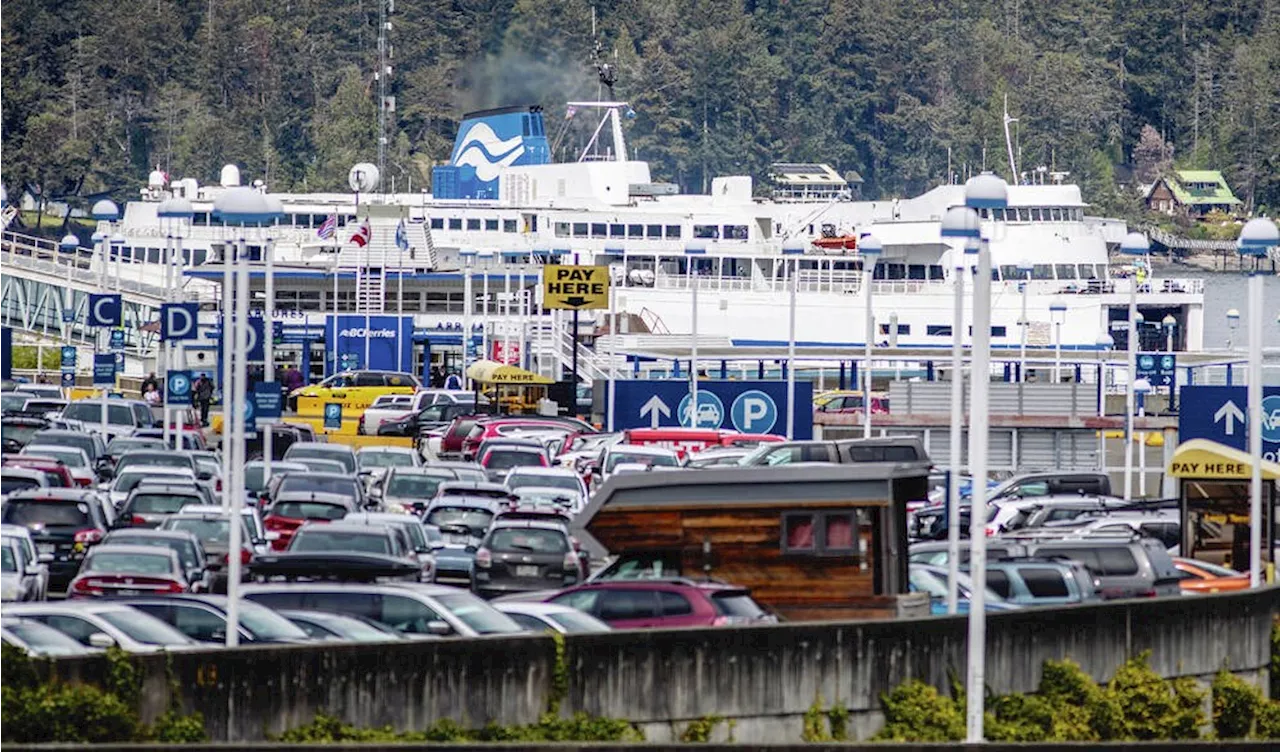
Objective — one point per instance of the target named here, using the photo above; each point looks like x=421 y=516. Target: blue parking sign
x=179 y=388
x=69 y=357
x=333 y=415
x=68 y=379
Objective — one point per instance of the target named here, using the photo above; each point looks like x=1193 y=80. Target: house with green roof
x=1192 y=193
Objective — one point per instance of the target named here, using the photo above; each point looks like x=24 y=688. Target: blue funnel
x=488 y=142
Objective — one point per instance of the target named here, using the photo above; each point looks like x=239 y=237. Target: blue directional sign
x=104 y=310
x=256 y=350
x=117 y=339
x=179 y=321
x=68 y=315
x=748 y=406
x=178 y=392
x=1158 y=368
x=333 y=415
x=268 y=402
x=348 y=361
x=104 y=369
x=68 y=357
x=68 y=379
x=1220 y=413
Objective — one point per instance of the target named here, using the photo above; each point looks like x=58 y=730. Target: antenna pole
x=1008 y=142
x=384 y=69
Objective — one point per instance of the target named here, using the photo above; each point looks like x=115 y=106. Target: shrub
x=66 y=713
x=915 y=711
x=1152 y=709
x=549 y=728
x=1268 y=720
x=1235 y=705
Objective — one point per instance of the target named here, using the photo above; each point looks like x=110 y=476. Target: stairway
x=371 y=290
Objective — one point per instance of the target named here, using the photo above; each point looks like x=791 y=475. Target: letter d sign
x=179 y=321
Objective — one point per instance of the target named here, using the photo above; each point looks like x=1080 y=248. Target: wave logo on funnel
x=488 y=154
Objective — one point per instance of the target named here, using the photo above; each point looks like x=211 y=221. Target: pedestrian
x=453 y=382
x=149 y=383
x=152 y=395
x=202 y=395
x=293 y=379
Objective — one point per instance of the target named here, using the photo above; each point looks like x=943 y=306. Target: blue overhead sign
x=256 y=351
x=104 y=369
x=1159 y=369
x=388 y=340
x=1220 y=413
x=178 y=392
x=68 y=358
x=746 y=406
x=179 y=321
x=104 y=310
x=117 y=339
x=267 y=402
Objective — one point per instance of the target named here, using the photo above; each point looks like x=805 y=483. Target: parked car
x=30 y=561
x=412 y=609
x=117 y=569
x=626 y=604
x=931 y=580
x=1126 y=567
x=92 y=443
x=411 y=488
x=56 y=474
x=15 y=479
x=400 y=406
x=123 y=416
x=356 y=390
x=203 y=618
x=121 y=444
x=323 y=625
x=1042 y=582
x=422 y=548
x=64 y=525
x=39 y=640
x=183 y=543
x=1200 y=577
x=72 y=458
x=103 y=624
x=551 y=617
x=125 y=482
x=523 y=555
x=316 y=450
x=500 y=459
x=213 y=530
x=310 y=497
x=147 y=505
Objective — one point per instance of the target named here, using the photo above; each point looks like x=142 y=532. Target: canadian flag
x=362 y=234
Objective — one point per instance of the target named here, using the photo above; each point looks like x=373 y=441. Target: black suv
x=64 y=523
x=517 y=556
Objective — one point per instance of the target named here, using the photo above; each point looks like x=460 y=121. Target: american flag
x=328 y=227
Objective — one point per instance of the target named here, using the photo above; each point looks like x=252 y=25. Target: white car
x=102 y=625
x=644 y=456
x=552 y=617
x=131 y=476
x=76 y=461
x=35 y=561
x=546 y=477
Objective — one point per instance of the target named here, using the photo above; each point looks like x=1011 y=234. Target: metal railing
x=77 y=266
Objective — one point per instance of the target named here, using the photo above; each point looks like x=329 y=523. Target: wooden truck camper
x=811 y=541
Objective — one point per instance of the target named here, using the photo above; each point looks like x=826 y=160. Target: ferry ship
x=501 y=206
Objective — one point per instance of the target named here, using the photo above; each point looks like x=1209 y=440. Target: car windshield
x=652 y=460
x=472 y=517
x=66 y=455
x=477 y=614
x=143 y=628
x=309 y=510
x=112 y=561
x=301 y=483
x=48 y=513
x=185 y=550
x=384 y=459
x=207 y=529
x=321 y=452
x=576 y=622
x=736 y=604
x=121 y=445
x=532 y=540
x=155 y=459
x=318 y=465
x=311 y=540
x=91 y=412
x=129 y=480
x=504 y=459
x=20 y=434
x=567 y=482
x=158 y=503
x=266 y=624
x=11 y=483
x=414 y=486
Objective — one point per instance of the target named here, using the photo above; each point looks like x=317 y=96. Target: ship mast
x=386 y=104
x=1008 y=142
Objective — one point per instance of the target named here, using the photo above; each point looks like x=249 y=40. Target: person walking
x=202 y=395
x=150 y=383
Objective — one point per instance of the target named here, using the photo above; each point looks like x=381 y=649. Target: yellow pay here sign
x=575 y=287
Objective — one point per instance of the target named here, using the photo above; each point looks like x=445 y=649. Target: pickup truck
x=394 y=409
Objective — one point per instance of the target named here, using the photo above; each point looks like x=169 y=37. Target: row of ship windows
x=1034 y=214
x=939 y=330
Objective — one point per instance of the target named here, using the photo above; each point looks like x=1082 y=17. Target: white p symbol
x=753 y=409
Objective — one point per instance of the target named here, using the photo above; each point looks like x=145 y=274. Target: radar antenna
x=607 y=72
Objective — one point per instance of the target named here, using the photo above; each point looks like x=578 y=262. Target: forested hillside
x=96 y=92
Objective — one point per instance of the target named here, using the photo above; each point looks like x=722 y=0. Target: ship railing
x=76 y=265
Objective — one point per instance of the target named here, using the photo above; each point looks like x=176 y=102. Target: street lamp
x=176 y=211
x=985 y=191
x=1141 y=388
x=1057 y=312
x=1025 y=268
x=962 y=223
x=870 y=247
x=1257 y=236
x=792 y=247
x=1169 y=323
x=468 y=260
x=1134 y=244
x=692 y=250
x=486 y=262
x=620 y=253
x=1233 y=322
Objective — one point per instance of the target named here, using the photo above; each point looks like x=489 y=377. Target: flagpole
x=402 y=240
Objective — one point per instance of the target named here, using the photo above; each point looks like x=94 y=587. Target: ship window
x=902 y=328
x=455 y=223
x=653 y=231
x=706 y=232
x=985 y=213
x=1010 y=272
x=916 y=271
x=617 y=231
x=579 y=229
x=1086 y=271
x=935 y=271
x=635 y=231
x=1065 y=271
x=938 y=330
x=735 y=232
x=473 y=224
x=562 y=229
x=1042 y=271
x=673 y=232
x=997 y=215
x=437 y=223
x=998 y=331
x=491 y=225
x=509 y=225
x=895 y=271
x=524 y=121
x=308 y=300
x=598 y=230
x=1056 y=213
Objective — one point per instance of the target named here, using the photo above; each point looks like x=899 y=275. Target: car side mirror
x=101 y=640
x=32 y=569
x=439 y=628
x=437 y=545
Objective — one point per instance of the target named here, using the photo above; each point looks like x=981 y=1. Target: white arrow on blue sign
x=1221 y=414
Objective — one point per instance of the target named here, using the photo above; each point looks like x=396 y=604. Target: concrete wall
x=764 y=678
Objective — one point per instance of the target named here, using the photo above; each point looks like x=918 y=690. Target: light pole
x=468 y=259
x=1169 y=323
x=1134 y=244
x=985 y=191
x=275 y=208
x=1257 y=236
x=1104 y=344
x=486 y=262
x=792 y=249
x=1025 y=268
x=692 y=251
x=870 y=247
x=961 y=223
x=1141 y=388
x=1233 y=323
x=611 y=387
x=1057 y=312
x=105 y=211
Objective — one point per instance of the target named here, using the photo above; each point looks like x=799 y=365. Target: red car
x=457 y=432
x=629 y=604
x=497 y=428
x=111 y=569
x=54 y=471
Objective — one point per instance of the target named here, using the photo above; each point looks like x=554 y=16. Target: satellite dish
x=363 y=178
